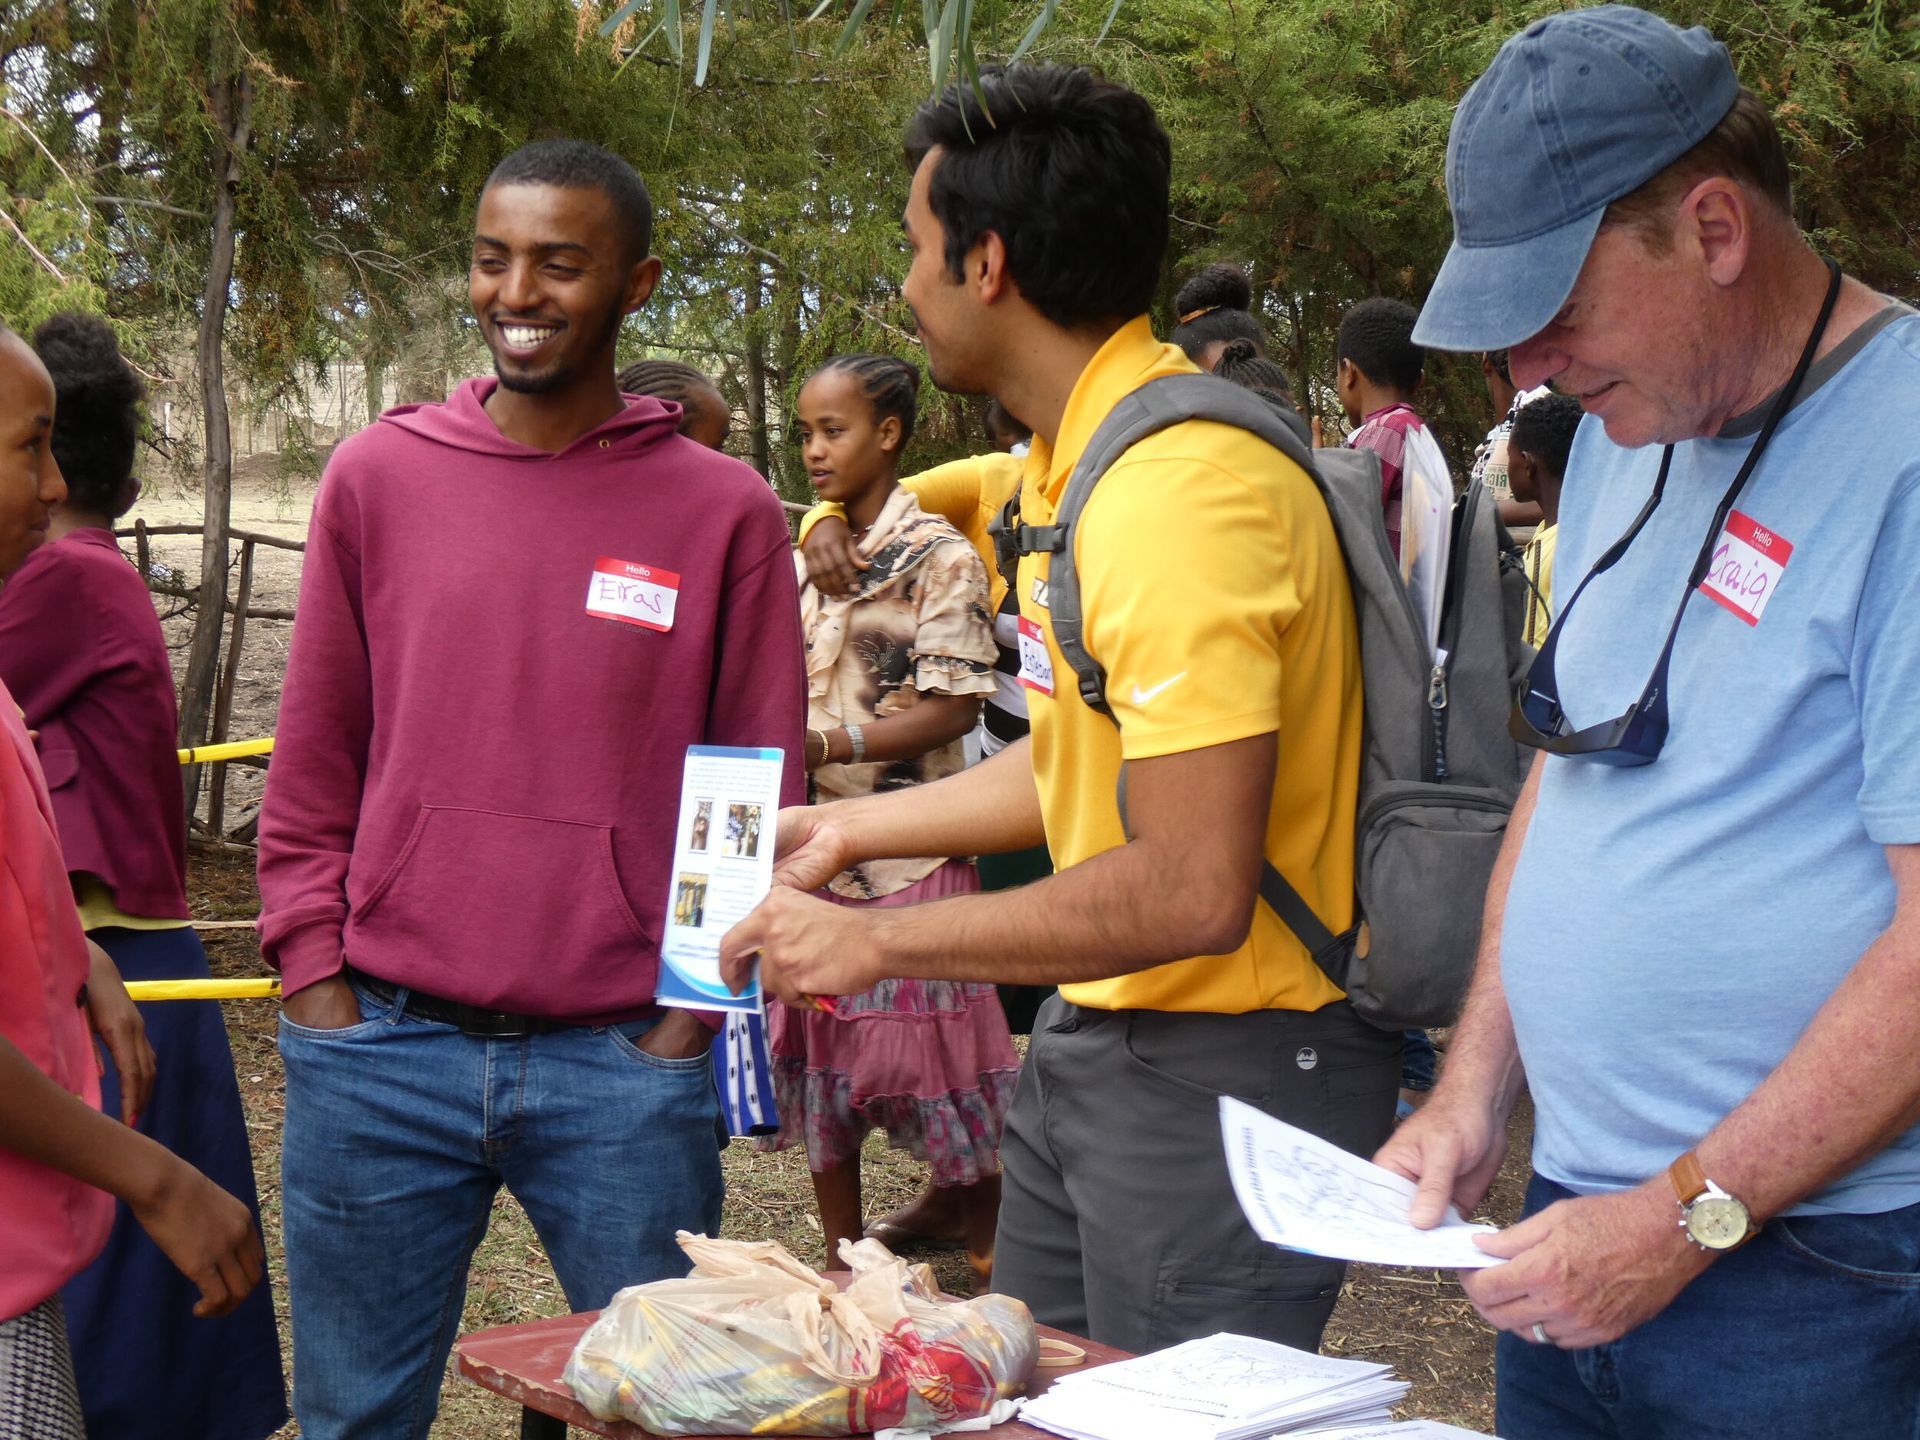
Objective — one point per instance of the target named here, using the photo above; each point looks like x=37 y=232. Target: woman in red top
x=58 y=1152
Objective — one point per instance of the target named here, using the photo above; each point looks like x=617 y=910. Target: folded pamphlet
x=1302 y=1193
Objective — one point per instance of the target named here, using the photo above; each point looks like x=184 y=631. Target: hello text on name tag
x=1748 y=563
x=642 y=595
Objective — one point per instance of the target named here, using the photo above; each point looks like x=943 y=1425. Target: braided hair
x=690 y=389
x=672 y=380
x=1244 y=365
x=890 y=385
x=97 y=409
x=1213 y=306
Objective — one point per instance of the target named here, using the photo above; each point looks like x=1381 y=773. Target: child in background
x=895 y=672
x=1213 y=309
x=1242 y=363
x=968 y=494
x=1218 y=332
x=1378 y=370
x=705 y=416
x=1537 y=451
x=61 y=1159
x=82 y=653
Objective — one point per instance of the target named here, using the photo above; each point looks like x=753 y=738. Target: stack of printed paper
x=1227 y=1387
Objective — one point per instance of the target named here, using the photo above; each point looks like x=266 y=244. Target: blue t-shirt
x=1672 y=928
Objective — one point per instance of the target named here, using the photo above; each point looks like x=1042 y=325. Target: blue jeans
x=1810 y=1331
x=399 y=1133
x=1419 y=1064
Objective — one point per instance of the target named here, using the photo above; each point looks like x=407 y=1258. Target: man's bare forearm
x=1185 y=885
x=1119 y=912
x=987 y=809
x=1849 y=1085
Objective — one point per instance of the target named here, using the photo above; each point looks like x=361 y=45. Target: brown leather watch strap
x=1689 y=1180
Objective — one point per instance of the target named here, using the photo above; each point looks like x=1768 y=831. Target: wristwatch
x=1711 y=1218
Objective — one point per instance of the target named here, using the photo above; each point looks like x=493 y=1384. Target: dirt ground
x=1418 y=1321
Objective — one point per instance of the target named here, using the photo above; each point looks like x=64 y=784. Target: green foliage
x=1309 y=141
x=52 y=252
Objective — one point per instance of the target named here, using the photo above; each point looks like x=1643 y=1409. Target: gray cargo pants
x=1118 y=1220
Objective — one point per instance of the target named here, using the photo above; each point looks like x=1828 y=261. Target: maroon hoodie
x=475 y=781
x=82 y=651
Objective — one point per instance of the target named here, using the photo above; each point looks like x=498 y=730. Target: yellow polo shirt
x=1214 y=593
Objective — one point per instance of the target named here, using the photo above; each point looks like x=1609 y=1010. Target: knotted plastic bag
x=755 y=1343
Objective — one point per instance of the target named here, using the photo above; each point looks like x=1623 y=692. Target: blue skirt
x=147 y=1368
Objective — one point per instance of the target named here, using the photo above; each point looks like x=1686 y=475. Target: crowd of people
x=1695 y=941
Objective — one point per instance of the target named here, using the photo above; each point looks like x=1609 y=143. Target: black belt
x=499 y=1024
x=1003 y=725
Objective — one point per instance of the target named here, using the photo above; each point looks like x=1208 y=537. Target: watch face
x=1718 y=1222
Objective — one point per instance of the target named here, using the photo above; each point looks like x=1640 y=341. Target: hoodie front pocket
x=487 y=882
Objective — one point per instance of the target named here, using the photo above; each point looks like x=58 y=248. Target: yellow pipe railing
x=231 y=750
x=204 y=989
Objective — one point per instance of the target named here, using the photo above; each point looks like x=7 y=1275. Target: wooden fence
x=241 y=608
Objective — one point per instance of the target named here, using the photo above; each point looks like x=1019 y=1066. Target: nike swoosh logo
x=1143 y=697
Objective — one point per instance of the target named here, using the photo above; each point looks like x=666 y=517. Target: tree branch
x=150 y=205
x=32 y=249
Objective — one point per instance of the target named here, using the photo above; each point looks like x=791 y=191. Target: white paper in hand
x=1302 y=1193
x=722 y=868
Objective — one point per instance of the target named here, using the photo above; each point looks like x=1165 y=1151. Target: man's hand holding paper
x=1300 y=1192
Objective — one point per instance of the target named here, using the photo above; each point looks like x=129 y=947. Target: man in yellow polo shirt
x=1214 y=595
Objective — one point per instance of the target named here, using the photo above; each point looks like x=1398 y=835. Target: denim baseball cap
x=1575 y=111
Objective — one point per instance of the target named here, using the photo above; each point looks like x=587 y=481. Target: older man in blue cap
x=1702 y=942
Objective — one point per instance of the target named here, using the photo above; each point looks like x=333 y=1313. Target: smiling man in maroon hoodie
x=468 y=827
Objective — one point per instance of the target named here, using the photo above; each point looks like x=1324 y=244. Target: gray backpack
x=1440 y=773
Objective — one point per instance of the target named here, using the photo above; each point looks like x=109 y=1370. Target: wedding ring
x=1540 y=1334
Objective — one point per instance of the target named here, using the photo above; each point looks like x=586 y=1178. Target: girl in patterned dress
x=895 y=672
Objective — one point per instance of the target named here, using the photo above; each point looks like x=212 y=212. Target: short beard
x=559 y=377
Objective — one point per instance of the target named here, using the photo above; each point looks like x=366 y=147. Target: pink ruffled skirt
x=930 y=1062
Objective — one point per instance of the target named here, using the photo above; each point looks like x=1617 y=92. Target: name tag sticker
x=1036 y=666
x=642 y=595
x=1748 y=563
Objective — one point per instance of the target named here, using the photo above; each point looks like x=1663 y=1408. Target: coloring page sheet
x=722 y=868
x=1302 y=1193
x=1226 y=1373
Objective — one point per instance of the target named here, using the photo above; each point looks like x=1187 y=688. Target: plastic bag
x=755 y=1343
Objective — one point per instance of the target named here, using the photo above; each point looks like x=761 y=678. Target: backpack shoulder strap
x=1147 y=411
x=1150 y=409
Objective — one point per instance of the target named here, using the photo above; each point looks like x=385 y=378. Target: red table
x=523 y=1363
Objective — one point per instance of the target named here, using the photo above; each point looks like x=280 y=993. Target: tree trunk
x=759 y=441
x=779 y=378
x=376 y=392
x=231 y=98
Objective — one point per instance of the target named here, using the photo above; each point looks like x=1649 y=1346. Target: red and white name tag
x=1036 y=666
x=641 y=595
x=1748 y=563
